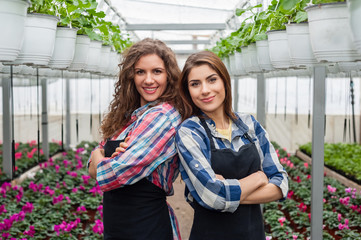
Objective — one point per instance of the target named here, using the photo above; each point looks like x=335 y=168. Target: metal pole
x=235 y=94
x=44 y=117
x=7 y=128
x=261 y=99
x=318 y=123
x=68 y=132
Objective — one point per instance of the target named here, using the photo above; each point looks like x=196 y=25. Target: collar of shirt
x=239 y=128
x=139 y=111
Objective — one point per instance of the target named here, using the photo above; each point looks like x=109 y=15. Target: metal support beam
x=235 y=94
x=318 y=130
x=44 y=118
x=7 y=128
x=171 y=26
x=67 y=118
x=170 y=42
x=261 y=99
x=185 y=52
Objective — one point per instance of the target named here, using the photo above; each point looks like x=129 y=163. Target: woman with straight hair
x=142 y=118
x=228 y=163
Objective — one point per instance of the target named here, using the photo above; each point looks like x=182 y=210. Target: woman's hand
x=252 y=182
x=219 y=177
x=96 y=156
x=122 y=147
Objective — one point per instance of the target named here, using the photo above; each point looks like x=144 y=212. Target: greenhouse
x=295 y=70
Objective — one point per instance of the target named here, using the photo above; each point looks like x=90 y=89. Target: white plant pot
x=253 y=59
x=81 y=53
x=330 y=33
x=278 y=49
x=227 y=64
x=354 y=9
x=93 y=57
x=299 y=44
x=239 y=70
x=245 y=60
x=12 y=19
x=104 y=59
x=39 y=40
x=114 y=60
x=263 y=58
x=64 y=48
x=27 y=70
x=232 y=64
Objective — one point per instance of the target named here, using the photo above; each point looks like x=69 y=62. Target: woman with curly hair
x=144 y=114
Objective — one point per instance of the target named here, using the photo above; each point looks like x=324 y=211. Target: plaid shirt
x=151 y=152
x=194 y=152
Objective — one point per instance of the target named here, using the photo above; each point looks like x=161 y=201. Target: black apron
x=247 y=221
x=135 y=212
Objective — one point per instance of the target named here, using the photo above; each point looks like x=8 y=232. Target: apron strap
x=208 y=131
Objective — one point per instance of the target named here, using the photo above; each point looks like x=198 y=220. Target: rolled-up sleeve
x=194 y=154
x=151 y=143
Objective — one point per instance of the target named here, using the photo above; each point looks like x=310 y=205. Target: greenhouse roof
x=186 y=25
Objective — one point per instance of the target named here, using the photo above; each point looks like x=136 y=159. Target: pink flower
x=305 y=165
x=81 y=209
x=57 y=167
x=72 y=174
x=67 y=199
x=85 y=179
x=30 y=232
x=339 y=216
x=28 y=207
x=18 y=155
x=2 y=209
x=331 y=189
x=74 y=190
x=298 y=179
x=294 y=237
x=98 y=227
x=281 y=220
x=290 y=194
x=58 y=199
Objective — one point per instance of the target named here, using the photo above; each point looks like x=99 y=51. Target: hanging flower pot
x=64 y=48
x=81 y=53
x=93 y=57
x=264 y=60
x=354 y=9
x=114 y=60
x=246 y=63
x=330 y=33
x=27 y=70
x=104 y=59
x=278 y=49
x=239 y=70
x=39 y=39
x=253 y=59
x=232 y=64
x=300 y=44
x=226 y=62
x=12 y=19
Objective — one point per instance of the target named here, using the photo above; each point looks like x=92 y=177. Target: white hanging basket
x=104 y=59
x=226 y=62
x=12 y=23
x=330 y=33
x=239 y=70
x=93 y=57
x=264 y=60
x=81 y=53
x=232 y=64
x=64 y=48
x=253 y=59
x=27 y=70
x=39 y=40
x=114 y=60
x=354 y=9
x=278 y=49
x=299 y=44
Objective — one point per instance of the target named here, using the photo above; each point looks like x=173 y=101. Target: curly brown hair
x=126 y=97
x=214 y=62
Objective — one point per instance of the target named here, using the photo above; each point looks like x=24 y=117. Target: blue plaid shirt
x=194 y=151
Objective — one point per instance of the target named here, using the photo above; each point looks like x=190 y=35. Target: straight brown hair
x=213 y=61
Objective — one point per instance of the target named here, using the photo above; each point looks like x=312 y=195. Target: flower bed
x=343 y=158
x=290 y=219
x=26 y=157
x=60 y=202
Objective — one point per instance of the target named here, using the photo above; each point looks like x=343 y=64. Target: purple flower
x=58 y=199
x=98 y=227
x=3 y=210
x=30 y=232
x=85 y=179
x=28 y=207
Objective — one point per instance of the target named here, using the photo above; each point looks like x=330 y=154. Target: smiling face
x=206 y=89
x=150 y=78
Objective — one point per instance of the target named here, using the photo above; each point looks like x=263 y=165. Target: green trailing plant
x=326 y=1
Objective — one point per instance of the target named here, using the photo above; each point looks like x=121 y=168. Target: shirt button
x=196 y=165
